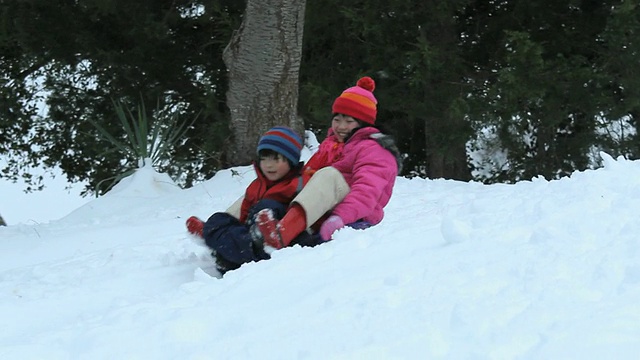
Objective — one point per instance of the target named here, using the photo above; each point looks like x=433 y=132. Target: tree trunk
x=263 y=63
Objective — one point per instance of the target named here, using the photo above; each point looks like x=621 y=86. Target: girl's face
x=274 y=167
x=342 y=126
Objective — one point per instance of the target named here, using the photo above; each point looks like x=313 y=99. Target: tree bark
x=263 y=62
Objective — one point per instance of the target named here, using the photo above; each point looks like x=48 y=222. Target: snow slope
x=536 y=270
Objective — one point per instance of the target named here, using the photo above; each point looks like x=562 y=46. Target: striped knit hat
x=358 y=101
x=284 y=141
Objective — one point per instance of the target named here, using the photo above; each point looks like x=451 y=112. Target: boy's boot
x=195 y=226
x=268 y=227
x=279 y=234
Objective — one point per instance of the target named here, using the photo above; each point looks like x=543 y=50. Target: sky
x=533 y=270
x=58 y=199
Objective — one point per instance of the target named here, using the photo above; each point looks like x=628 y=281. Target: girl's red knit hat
x=358 y=101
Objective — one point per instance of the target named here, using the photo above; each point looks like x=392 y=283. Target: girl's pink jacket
x=371 y=171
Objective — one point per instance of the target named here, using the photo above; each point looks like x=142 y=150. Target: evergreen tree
x=619 y=130
x=412 y=51
x=544 y=84
x=543 y=92
x=84 y=55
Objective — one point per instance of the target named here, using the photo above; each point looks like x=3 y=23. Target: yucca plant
x=147 y=143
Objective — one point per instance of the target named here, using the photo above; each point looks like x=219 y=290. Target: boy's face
x=274 y=166
x=342 y=126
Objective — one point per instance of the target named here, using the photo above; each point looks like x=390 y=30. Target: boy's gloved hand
x=329 y=226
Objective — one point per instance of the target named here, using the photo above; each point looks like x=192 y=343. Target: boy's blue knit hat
x=284 y=141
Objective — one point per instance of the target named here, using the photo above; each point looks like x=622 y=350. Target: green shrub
x=146 y=142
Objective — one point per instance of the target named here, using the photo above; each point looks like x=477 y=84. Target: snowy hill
x=536 y=270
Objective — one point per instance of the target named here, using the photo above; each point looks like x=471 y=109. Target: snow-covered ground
x=536 y=270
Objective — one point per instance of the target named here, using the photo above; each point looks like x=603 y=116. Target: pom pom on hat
x=284 y=141
x=358 y=101
x=366 y=83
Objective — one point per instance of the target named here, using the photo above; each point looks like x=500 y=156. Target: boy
x=232 y=235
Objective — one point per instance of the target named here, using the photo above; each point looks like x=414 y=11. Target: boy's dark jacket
x=282 y=191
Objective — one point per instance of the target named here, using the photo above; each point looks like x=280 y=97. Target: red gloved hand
x=329 y=226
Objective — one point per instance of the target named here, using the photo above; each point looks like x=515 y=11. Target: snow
x=534 y=270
